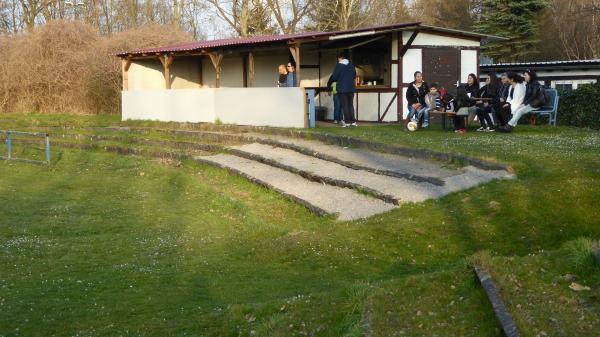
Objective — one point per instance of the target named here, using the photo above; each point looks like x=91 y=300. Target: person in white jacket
x=516 y=97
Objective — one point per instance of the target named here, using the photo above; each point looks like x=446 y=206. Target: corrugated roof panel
x=197 y=45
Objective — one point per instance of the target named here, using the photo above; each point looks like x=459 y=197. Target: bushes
x=66 y=66
x=580 y=107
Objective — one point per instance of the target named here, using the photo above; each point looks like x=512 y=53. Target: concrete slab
x=321 y=198
x=381 y=163
x=388 y=188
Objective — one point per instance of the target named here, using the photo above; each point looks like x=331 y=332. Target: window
x=563 y=87
x=373 y=62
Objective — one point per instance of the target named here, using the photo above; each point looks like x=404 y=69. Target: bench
x=446 y=114
x=550 y=110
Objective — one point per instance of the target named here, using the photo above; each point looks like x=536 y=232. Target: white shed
x=234 y=80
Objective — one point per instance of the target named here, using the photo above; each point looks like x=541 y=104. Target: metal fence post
x=8 y=145
x=48 y=148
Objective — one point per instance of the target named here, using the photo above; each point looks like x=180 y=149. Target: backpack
x=545 y=96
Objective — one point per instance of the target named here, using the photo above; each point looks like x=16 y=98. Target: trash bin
x=320 y=113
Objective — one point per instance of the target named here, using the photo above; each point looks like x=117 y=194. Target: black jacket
x=504 y=91
x=474 y=91
x=488 y=92
x=534 y=96
x=343 y=75
x=414 y=95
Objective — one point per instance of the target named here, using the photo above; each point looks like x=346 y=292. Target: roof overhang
x=204 y=47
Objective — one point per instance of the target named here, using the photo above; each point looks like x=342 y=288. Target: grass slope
x=102 y=244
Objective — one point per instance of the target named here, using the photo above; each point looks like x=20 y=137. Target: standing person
x=516 y=96
x=337 y=107
x=415 y=96
x=290 y=80
x=534 y=99
x=344 y=75
x=282 y=75
x=490 y=92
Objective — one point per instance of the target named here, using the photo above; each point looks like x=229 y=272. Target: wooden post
x=251 y=69
x=295 y=50
x=166 y=61
x=216 y=59
x=125 y=64
x=200 y=79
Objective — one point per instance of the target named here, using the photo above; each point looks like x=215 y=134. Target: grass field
x=104 y=244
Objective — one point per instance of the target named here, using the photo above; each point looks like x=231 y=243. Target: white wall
x=279 y=107
x=175 y=105
x=468 y=64
x=411 y=62
x=432 y=39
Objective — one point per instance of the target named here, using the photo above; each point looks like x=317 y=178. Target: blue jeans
x=337 y=108
x=417 y=113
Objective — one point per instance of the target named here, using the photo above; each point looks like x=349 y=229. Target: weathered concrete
x=394 y=165
x=493 y=293
x=321 y=198
x=392 y=189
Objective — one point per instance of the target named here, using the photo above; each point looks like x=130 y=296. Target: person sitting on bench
x=461 y=107
x=489 y=93
x=534 y=99
x=515 y=99
x=415 y=96
x=433 y=101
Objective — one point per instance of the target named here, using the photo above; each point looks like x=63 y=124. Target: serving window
x=373 y=62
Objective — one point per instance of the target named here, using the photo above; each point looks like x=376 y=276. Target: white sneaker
x=488 y=129
x=335 y=122
x=481 y=129
x=425 y=125
x=354 y=124
x=344 y=125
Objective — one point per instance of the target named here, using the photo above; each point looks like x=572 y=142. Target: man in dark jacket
x=344 y=75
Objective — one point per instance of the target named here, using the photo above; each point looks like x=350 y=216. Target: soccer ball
x=412 y=126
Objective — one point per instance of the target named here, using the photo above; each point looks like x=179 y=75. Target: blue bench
x=550 y=110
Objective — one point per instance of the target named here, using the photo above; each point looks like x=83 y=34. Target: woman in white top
x=516 y=96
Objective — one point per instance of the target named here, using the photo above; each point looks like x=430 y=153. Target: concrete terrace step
x=416 y=169
x=321 y=198
x=387 y=188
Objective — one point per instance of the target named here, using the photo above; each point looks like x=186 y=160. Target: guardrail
x=9 y=146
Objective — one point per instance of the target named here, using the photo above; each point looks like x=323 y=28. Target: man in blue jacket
x=344 y=75
x=290 y=80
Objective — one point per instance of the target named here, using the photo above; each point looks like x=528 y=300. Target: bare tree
x=289 y=13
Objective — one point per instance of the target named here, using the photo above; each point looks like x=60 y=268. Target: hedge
x=580 y=107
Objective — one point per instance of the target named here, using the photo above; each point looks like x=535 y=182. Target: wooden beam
x=124 y=74
x=295 y=50
x=216 y=59
x=200 y=79
x=166 y=61
x=245 y=70
x=251 y=69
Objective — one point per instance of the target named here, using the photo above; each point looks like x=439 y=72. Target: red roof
x=253 y=40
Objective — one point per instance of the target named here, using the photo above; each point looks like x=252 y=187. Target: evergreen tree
x=516 y=20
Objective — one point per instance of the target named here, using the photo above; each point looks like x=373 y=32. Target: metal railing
x=9 y=145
